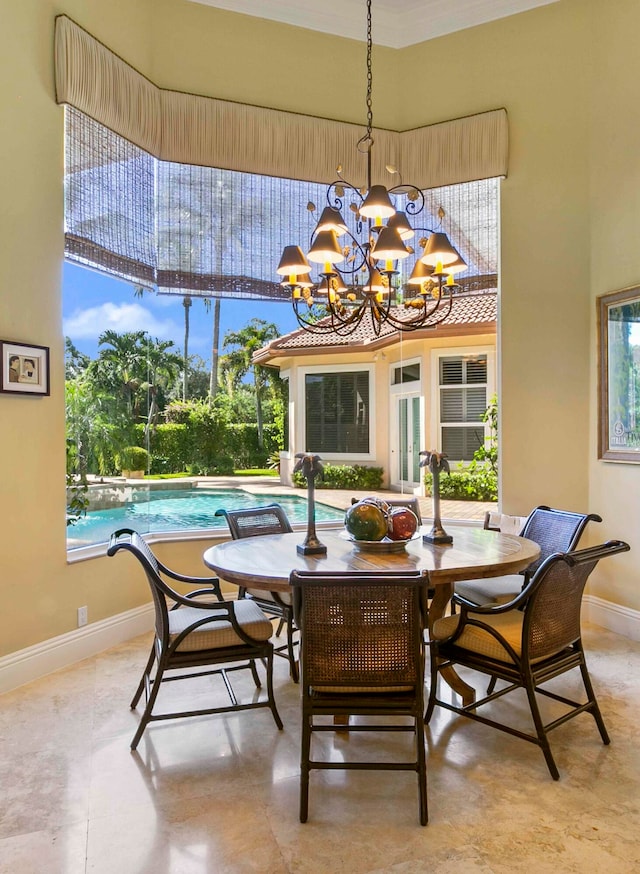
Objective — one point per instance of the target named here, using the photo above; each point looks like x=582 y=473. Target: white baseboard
x=36 y=661
x=43 y=658
x=614 y=617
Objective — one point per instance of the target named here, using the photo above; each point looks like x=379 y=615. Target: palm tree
x=238 y=362
x=215 y=350
x=123 y=365
x=186 y=303
x=163 y=368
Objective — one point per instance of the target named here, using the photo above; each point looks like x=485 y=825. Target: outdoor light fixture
x=359 y=267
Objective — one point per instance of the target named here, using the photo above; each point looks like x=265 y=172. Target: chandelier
x=359 y=265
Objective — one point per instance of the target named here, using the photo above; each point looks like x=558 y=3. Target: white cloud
x=89 y=323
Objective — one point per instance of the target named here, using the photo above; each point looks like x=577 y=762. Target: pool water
x=162 y=510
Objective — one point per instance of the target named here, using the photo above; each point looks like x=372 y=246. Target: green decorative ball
x=366 y=521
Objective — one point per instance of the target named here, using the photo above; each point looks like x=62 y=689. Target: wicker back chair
x=193 y=633
x=526 y=642
x=362 y=653
x=553 y=530
x=254 y=522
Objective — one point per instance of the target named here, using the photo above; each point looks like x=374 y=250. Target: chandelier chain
x=369 y=76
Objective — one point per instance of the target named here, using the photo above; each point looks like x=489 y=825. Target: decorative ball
x=403 y=523
x=366 y=521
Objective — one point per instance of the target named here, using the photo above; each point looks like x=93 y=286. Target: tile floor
x=220 y=794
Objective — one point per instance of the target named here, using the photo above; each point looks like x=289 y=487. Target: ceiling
x=395 y=23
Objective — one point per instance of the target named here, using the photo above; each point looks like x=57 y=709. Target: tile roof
x=468 y=310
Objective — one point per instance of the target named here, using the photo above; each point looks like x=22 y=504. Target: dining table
x=265 y=562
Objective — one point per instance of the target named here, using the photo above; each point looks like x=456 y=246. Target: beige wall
x=567 y=75
x=614 y=210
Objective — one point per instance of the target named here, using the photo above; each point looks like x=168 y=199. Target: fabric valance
x=204 y=131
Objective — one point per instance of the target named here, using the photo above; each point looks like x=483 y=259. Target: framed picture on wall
x=24 y=369
x=619 y=375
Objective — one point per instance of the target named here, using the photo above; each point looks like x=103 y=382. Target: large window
x=337 y=412
x=463 y=400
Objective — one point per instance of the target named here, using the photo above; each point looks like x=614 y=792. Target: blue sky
x=94 y=302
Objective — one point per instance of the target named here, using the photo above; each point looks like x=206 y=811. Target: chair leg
x=280 y=626
x=254 y=671
x=293 y=667
x=492 y=685
x=270 y=697
x=145 y=673
x=422 y=770
x=144 y=720
x=595 y=709
x=433 y=689
x=540 y=729
x=305 y=749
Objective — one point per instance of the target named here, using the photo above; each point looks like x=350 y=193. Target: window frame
x=316 y=369
x=457 y=352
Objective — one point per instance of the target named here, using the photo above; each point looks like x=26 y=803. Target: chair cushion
x=494 y=590
x=474 y=639
x=219 y=634
x=266 y=596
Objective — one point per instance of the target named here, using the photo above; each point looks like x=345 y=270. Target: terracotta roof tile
x=468 y=309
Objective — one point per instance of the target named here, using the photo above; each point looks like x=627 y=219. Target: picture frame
x=24 y=369
x=618 y=315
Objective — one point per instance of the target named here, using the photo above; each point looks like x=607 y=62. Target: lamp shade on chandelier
x=358 y=261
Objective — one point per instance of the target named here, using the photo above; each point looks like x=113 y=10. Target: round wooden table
x=267 y=561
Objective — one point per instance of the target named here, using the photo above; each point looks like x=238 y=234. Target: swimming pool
x=163 y=510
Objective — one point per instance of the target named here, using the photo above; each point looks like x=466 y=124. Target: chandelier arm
x=337 y=200
x=363 y=250
x=309 y=325
x=342 y=327
x=412 y=207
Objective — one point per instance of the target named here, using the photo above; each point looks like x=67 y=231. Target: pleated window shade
x=180 y=228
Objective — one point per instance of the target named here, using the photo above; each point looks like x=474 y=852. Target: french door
x=407 y=441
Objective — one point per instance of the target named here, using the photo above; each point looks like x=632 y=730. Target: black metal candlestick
x=310 y=467
x=436 y=462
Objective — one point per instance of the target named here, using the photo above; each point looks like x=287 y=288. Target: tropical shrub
x=133 y=458
x=345 y=476
x=463 y=485
x=477 y=481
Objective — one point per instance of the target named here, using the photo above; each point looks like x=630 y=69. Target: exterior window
x=407 y=373
x=463 y=400
x=337 y=412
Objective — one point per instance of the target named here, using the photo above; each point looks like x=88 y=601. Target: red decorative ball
x=403 y=523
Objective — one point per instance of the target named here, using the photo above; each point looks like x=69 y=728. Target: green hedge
x=479 y=485
x=345 y=476
x=204 y=445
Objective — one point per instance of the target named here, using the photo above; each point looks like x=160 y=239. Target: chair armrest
x=492 y=609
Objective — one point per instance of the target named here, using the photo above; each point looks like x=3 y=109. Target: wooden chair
x=362 y=654
x=553 y=530
x=253 y=522
x=193 y=634
x=526 y=643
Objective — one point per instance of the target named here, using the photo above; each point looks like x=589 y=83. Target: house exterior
x=379 y=400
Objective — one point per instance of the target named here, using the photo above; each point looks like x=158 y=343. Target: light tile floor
x=220 y=794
